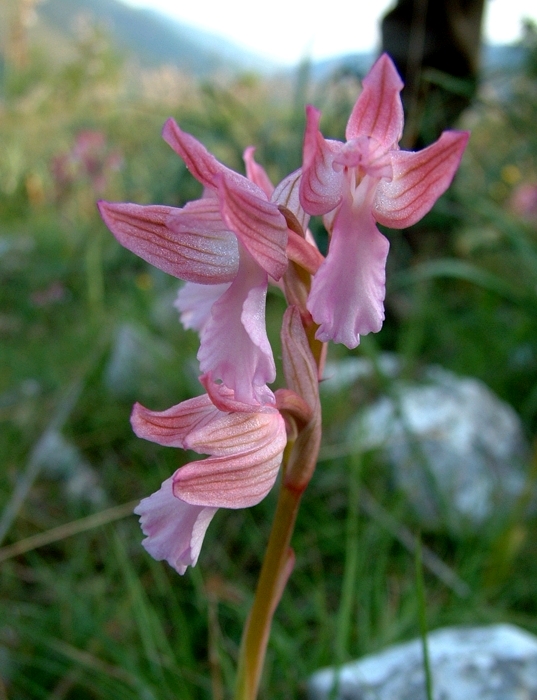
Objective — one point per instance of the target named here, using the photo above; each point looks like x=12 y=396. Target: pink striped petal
x=287 y=198
x=229 y=434
x=347 y=293
x=172 y=426
x=194 y=303
x=378 y=112
x=174 y=529
x=234 y=346
x=418 y=180
x=203 y=166
x=321 y=185
x=257 y=223
x=256 y=173
x=186 y=243
x=238 y=481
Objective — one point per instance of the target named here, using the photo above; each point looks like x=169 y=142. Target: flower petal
x=418 y=180
x=256 y=222
x=320 y=185
x=256 y=173
x=174 y=529
x=186 y=243
x=240 y=480
x=287 y=197
x=172 y=426
x=378 y=112
x=197 y=158
x=194 y=302
x=347 y=293
x=234 y=345
x=224 y=398
x=228 y=434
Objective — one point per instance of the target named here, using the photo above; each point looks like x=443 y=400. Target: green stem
x=275 y=571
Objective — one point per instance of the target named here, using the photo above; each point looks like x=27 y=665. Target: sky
x=286 y=31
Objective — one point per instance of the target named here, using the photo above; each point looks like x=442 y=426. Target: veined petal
x=229 y=434
x=257 y=223
x=378 y=112
x=256 y=173
x=347 y=293
x=234 y=346
x=194 y=302
x=197 y=158
x=287 y=198
x=321 y=186
x=202 y=164
x=240 y=480
x=418 y=180
x=204 y=251
x=174 y=529
x=172 y=426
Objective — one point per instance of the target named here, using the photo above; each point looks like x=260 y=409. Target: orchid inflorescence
x=242 y=233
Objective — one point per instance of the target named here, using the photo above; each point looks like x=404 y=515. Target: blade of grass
x=61 y=532
x=59 y=417
x=349 y=584
x=401 y=533
x=151 y=632
x=422 y=612
x=33 y=467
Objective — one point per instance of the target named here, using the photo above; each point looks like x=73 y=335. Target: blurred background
x=428 y=426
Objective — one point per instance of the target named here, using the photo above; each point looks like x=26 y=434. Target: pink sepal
x=257 y=223
x=235 y=480
x=418 y=180
x=172 y=426
x=203 y=166
x=232 y=434
x=378 y=112
x=187 y=243
x=256 y=173
x=174 y=529
x=321 y=185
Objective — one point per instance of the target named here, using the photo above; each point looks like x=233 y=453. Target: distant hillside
x=153 y=40
x=151 y=37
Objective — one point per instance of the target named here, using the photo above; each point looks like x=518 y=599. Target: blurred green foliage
x=87 y=328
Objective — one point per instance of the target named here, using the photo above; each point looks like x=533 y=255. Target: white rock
x=457 y=451
x=497 y=662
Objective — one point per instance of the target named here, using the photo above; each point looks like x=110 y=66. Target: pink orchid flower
x=232 y=239
x=245 y=447
x=359 y=183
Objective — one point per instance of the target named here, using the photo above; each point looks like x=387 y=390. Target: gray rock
x=60 y=459
x=456 y=450
x=497 y=662
x=136 y=357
